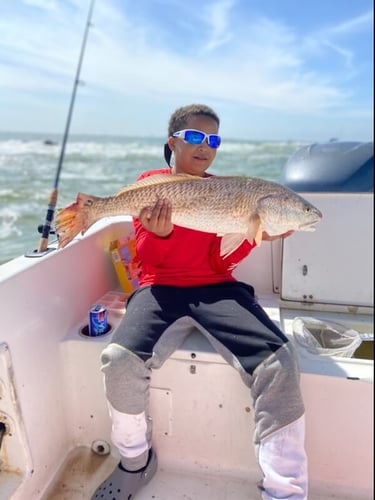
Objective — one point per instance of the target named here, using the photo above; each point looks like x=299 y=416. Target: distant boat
x=49 y=142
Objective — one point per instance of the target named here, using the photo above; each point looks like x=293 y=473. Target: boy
x=180 y=268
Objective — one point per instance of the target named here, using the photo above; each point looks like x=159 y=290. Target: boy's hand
x=158 y=218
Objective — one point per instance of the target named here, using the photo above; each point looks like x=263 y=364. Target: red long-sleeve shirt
x=186 y=257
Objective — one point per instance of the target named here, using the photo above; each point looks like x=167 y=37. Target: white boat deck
x=204 y=443
x=83 y=470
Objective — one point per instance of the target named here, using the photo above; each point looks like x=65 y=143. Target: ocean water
x=98 y=165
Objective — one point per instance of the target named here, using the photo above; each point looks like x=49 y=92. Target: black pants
x=228 y=311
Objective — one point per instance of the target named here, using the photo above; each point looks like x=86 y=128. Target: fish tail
x=74 y=219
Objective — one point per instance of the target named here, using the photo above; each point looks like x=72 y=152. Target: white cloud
x=354 y=25
x=265 y=70
x=217 y=17
x=41 y=4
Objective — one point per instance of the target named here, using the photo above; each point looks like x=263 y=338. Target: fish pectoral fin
x=259 y=236
x=230 y=242
x=255 y=230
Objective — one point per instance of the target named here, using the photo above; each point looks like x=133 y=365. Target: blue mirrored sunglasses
x=192 y=136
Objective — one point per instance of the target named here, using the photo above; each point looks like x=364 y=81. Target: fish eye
x=307 y=209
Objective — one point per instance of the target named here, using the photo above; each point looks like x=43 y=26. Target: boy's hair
x=179 y=119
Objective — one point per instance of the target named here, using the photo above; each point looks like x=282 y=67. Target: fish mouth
x=309 y=226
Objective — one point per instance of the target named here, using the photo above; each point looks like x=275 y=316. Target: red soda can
x=98 y=324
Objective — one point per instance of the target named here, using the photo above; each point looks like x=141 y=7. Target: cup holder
x=85 y=332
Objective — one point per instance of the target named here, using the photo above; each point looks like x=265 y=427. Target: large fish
x=234 y=207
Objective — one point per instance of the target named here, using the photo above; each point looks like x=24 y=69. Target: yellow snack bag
x=125 y=262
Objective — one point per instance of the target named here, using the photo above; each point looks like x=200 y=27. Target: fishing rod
x=52 y=201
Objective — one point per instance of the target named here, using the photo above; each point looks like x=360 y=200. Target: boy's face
x=194 y=159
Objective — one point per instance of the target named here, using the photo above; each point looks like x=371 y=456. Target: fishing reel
x=40 y=230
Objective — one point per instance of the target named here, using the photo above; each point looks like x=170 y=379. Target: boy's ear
x=171 y=142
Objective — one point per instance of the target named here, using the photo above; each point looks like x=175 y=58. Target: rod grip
x=52 y=201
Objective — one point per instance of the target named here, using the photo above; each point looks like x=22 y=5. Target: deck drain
x=101 y=447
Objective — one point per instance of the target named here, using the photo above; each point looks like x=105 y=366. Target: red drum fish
x=234 y=207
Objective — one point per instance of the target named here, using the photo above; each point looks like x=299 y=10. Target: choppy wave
x=97 y=165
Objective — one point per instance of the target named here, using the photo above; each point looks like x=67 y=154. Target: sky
x=271 y=69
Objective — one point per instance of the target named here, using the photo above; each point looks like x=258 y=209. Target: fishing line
x=52 y=201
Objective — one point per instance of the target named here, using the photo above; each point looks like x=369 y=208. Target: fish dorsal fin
x=160 y=179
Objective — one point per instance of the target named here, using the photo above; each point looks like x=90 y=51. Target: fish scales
x=223 y=205
x=195 y=205
x=204 y=206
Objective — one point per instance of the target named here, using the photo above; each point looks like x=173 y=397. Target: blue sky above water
x=273 y=70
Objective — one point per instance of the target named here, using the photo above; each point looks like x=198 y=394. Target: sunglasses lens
x=214 y=141
x=197 y=137
x=194 y=137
